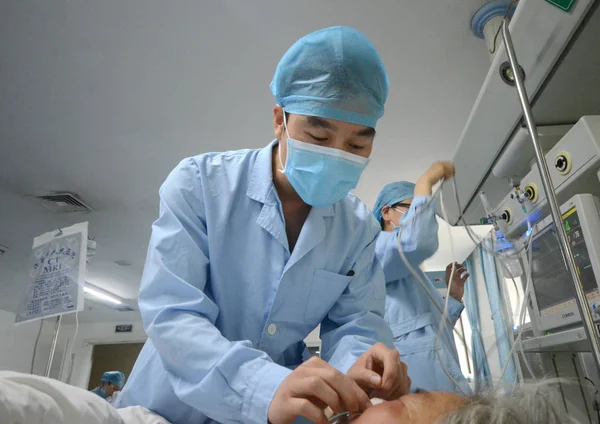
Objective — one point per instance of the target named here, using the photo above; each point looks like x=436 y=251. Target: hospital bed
x=33 y=399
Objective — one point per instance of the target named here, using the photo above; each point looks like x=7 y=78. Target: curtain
x=481 y=369
x=490 y=277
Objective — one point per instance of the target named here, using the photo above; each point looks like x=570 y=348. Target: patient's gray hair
x=530 y=403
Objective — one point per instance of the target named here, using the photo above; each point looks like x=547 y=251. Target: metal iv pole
x=53 y=346
x=565 y=248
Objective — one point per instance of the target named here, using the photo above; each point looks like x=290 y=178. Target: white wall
x=88 y=335
x=103 y=333
x=16 y=350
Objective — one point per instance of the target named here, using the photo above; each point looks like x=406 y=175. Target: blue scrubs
x=225 y=304
x=413 y=317
x=98 y=391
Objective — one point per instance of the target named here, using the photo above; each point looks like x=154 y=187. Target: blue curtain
x=490 y=276
x=481 y=368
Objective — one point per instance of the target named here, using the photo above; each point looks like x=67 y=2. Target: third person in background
x=110 y=386
x=406 y=212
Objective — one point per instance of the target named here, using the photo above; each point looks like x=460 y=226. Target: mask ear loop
x=402 y=213
x=287 y=152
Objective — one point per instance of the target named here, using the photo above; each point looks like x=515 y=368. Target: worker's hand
x=380 y=372
x=312 y=387
x=442 y=170
x=459 y=279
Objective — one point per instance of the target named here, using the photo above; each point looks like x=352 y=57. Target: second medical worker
x=411 y=313
x=255 y=248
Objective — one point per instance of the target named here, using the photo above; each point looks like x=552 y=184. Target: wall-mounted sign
x=565 y=5
x=124 y=328
x=56 y=273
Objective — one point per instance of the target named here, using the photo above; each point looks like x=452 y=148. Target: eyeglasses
x=405 y=207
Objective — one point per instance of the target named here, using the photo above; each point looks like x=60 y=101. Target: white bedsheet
x=31 y=399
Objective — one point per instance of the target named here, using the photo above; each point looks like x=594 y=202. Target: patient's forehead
x=424 y=407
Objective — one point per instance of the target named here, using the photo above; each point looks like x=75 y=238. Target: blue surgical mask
x=321 y=175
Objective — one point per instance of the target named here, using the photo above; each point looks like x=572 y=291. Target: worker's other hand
x=442 y=170
x=459 y=278
x=312 y=387
x=380 y=372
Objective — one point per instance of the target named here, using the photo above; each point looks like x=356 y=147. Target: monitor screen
x=551 y=280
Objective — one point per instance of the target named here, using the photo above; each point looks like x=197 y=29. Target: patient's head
x=422 y=407
x=527 y=404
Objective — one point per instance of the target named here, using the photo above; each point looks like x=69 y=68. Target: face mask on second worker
x=320 y=175
x=402 y=216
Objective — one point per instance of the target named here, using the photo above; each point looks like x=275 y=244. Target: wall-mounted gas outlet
x=563 y=162
x=506 y=215
x=531 y=191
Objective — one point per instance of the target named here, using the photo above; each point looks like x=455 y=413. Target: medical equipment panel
x=560 y=56
x=574 y=163
x=553 y=303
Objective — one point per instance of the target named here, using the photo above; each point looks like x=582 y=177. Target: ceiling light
x=102 y=296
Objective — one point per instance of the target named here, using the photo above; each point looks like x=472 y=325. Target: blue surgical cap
x=115 y=377
x=334 y=73
x=391 y=194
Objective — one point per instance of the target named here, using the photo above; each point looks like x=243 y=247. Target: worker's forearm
x=423 y=188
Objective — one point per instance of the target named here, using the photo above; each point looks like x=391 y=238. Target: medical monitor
x=553 y=295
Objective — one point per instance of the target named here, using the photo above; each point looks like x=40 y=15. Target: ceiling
x=103 y=98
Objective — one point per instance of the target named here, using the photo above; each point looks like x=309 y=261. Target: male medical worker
x=411 y=313
x=255 y=248
x=110 y=384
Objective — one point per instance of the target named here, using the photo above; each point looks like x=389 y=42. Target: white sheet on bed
x=31 y=399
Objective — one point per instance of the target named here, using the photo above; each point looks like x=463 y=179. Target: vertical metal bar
x=565 y=248
x=581 y=383
x=462 y=329
x=561 y=381
x=64 y=358
x=53 y=346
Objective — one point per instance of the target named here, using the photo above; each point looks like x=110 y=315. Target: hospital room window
x=515 y=295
